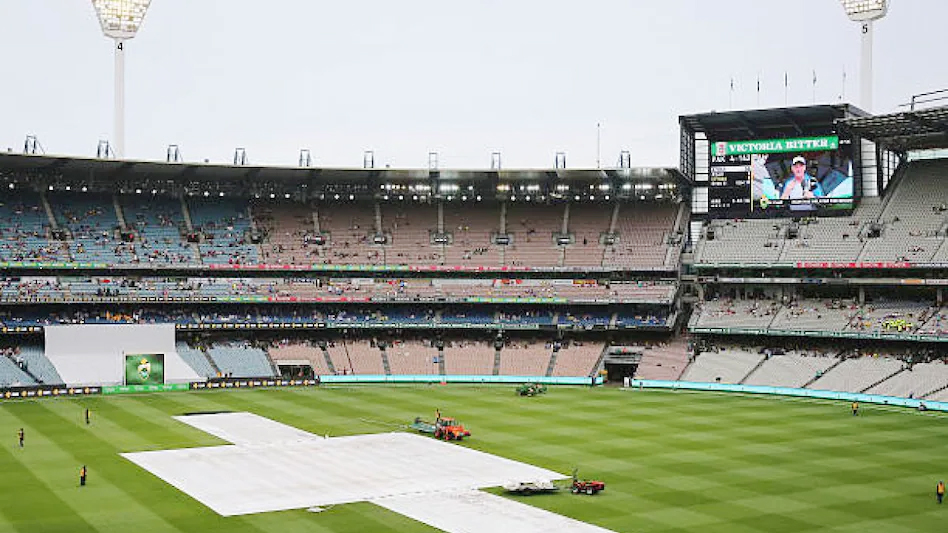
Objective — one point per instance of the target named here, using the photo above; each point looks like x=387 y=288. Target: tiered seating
x=891 y=316
x=531 y=228
x=299 y=352
x=742 y=241
x=351 y=228
x=586 y=317
x=856 y=374
x=412 y=357
x=916 y=382
x=39 y=365
x=914 y=224
x=525 y=359
x=577 y=359
x=159 y=225
x=587 y=223
x=726 y=366
x=469 y=358
x=241 y=360
x=24 y=229
x=472 y=229
x=410 y=229
x=92 y=221
x=643 y=231
x=196 y=359
x=728 y=313
x=789 y=370
x=815 y=315
x=914 y=217
x=12 y=376
x=290 y=232
x=665 y=361
x=356 y=357
x=225 y=225
x=940 y=396
x=832 y=238
x=937 y=324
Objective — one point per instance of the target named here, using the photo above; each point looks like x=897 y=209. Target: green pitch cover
x=144 y=369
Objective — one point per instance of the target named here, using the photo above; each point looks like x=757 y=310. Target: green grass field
x=672 y=461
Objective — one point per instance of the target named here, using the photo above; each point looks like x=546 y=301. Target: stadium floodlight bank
x=120 y=21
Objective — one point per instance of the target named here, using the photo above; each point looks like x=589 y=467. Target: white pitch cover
x=94 y=354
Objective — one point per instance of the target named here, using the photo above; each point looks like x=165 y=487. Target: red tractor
x=450 y=429
x=586 y=486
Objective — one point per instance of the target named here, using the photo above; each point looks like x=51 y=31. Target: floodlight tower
x=865 y=12
x=120 y=20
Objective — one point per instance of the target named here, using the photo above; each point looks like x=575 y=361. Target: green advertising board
x=775 y=146
x=144 y=369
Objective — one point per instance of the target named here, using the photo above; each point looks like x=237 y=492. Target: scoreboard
x=803 y=176
x=729 y=185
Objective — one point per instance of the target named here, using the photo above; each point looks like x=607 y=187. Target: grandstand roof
x=909 y=130
x=769 y=123
x=109 y=168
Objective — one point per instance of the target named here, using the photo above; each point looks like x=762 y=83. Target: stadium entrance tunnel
x=617 y=372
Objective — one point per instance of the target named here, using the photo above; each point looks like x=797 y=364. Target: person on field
x=855 y=408
x=940 y=491
x=88 y=416
x=82 y=476
x=20 y=435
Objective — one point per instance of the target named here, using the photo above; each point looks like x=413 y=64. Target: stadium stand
x=197 y=360
x=525 y=358
x=578 y=359
x=24 y=229
x=472 y=230
x=290 y=230
x=93 y=227
x=159 y=229
x=857 y=374
x=412 y=357
x=39 y=367
x=790 y=369
x=587 y=225
x=664 y=361
x=409 y=230
x=917 y=381
x=466 y=357
x=240 y=359
x=532 y=228
x=300 y=353
x=224 y=225
x=725 y=366
x=912 y=217
x=12 y=374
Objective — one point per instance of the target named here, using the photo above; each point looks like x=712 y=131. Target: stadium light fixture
x=120 y=21
x=865 y=12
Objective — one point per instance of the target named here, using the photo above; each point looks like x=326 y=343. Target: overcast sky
x=464 y=79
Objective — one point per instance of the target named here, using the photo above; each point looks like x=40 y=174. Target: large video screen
x=781 y=177
x=144 y=369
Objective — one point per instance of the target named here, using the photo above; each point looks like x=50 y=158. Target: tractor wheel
x=590 y=491
x=574 y=490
